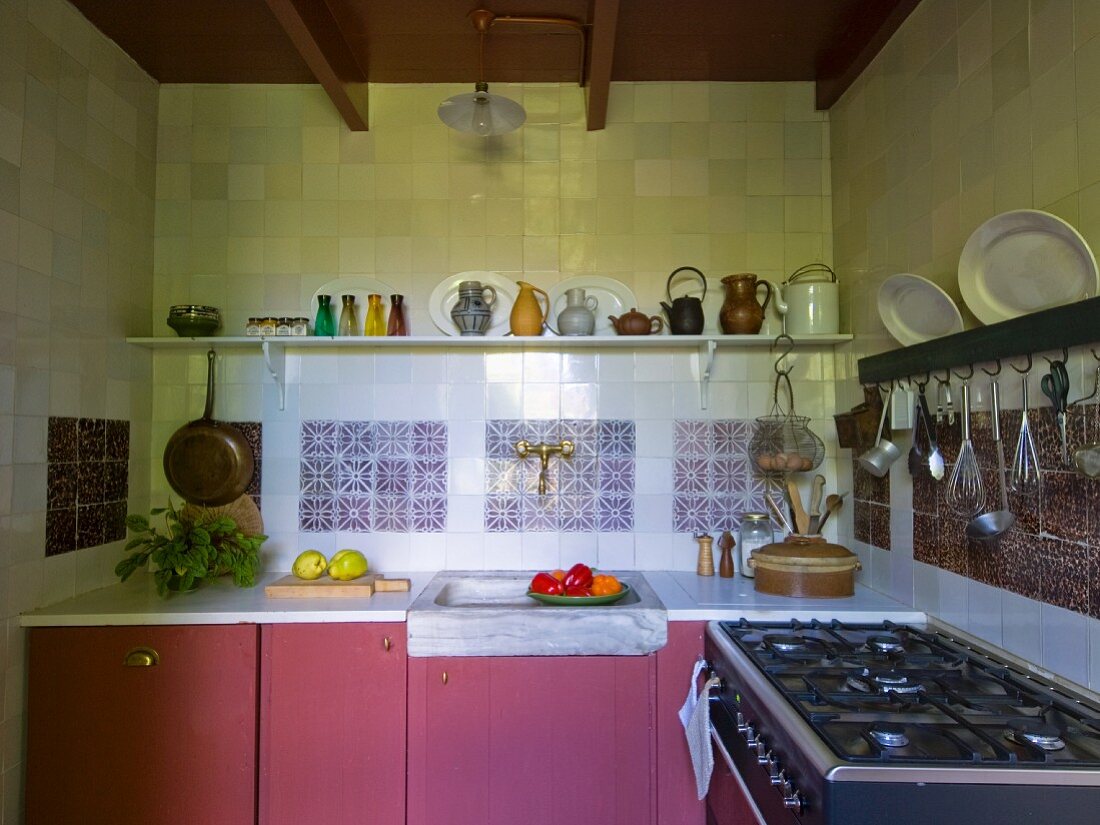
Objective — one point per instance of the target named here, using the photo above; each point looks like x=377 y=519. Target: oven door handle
x=721 y=748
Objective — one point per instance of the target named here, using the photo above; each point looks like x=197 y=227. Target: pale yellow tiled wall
x=973 y=108
x=77 y=176
x=263 y=194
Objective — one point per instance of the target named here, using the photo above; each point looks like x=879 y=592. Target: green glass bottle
x=324 y=324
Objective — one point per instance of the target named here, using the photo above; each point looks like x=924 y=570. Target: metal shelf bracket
x=275 y=361
x=706 y=367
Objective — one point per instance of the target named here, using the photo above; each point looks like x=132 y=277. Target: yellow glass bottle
x=376 y=316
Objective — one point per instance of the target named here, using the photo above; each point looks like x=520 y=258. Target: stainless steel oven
x=863 y=724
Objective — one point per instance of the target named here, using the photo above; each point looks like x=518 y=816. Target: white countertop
x=686 y=596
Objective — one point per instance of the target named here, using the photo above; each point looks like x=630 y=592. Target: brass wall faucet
x=543 y=451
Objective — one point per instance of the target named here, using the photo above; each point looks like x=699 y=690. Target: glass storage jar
x=755 y=532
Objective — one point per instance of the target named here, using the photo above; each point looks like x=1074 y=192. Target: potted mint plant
x=195 y=544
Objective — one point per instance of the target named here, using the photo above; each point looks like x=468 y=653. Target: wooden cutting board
x=291 y=587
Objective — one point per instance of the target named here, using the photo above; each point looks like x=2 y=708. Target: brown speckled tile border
x=87 y=482
x=1066 y=574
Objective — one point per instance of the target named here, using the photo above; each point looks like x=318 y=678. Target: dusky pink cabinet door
x=449 y=741
x=532 y=740
x=332 y=724
x=142 y=744
x=676 y=800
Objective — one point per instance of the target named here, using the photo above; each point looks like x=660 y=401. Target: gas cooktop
x=894 y=694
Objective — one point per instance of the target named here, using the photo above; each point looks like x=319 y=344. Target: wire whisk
x=966 y=493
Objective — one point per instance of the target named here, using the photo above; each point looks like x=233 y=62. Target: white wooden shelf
x=274 y=348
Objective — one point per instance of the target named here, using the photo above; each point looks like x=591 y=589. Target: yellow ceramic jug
x=527 y=316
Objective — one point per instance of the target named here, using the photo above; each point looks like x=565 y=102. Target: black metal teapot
x=685 y=316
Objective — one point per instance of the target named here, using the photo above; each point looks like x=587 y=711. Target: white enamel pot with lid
x=809 y=301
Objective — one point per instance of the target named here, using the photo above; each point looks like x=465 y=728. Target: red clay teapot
x=636 y=323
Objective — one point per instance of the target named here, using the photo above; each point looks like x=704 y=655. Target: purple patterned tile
x=616 y=438
x=584 y=433
x=731 y=437
x=693 y=438
x=90 y=524
x=617 y=476
x=319 y=439
x=61 y=482
x=353 y=513
x=579 y=476
x=540 y=514
x=354 y=476
x=392 y=476
x=91 y=440
x=116 y=476
x=355 y=439
x=502 y=476
x=317 y=514
x=502 y=514
x=317 y=476
x=690 y=476
x=529 y=478
x=392 y=439
x=725 y=512
x=577 y=514
x=429 y=439
x=616 y=514
x=391 y=514
x=501 y=436
x=728 y=475
x=429 y=477
x=428 y=514
x=61 y=439
x=60 y=531
x=690 y=514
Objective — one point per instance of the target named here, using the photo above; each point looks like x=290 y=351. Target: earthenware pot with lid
x=805 y=567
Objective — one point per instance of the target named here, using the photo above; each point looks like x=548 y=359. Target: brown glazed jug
x=741 y=313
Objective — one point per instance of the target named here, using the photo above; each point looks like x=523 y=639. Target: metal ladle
x=990 y=525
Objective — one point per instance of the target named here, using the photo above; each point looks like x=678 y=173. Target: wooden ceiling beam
x=601 y=56
x=316 y=35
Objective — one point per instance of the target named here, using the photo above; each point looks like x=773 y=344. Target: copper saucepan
x=206 y=461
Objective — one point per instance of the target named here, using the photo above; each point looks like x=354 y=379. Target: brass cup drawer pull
x=142 y=657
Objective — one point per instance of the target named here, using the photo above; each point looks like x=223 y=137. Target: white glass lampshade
x=481 y=113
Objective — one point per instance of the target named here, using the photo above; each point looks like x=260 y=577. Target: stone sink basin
x=489 y=614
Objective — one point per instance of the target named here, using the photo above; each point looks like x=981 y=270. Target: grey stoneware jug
x=685 y=316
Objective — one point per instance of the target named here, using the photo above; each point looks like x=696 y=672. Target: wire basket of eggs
x=783 y=442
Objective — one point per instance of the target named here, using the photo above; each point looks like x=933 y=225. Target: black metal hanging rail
x=1071 y=325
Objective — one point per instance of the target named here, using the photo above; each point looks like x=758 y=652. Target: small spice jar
x=267 y=326
x=252 y=328
x=282 y=327
x=299 y=326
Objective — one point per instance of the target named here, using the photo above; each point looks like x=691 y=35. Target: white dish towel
x=695 y=717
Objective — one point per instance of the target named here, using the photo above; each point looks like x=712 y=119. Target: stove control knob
x=772 y=764
x=742 y=725
x=750 y=735
x=779 y=779
x=761 y=750
x=793 y=801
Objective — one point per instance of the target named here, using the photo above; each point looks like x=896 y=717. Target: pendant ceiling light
x=479 y=112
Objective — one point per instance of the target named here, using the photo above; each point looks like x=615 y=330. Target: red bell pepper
x=547 y=585
x=579 y=575
x=575 y=590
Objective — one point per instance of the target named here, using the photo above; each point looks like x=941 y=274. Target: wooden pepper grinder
x=725 y=566
x=705 y=566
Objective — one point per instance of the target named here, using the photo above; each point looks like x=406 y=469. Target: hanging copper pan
x=206 y=461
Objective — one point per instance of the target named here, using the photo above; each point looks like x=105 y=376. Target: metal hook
x=946 y=378
x=967 y=377
x=1065 y=356
x=992 y=374
x=1094 y=355
x=790 y=348
x=1026 y=369
x=922 y=384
